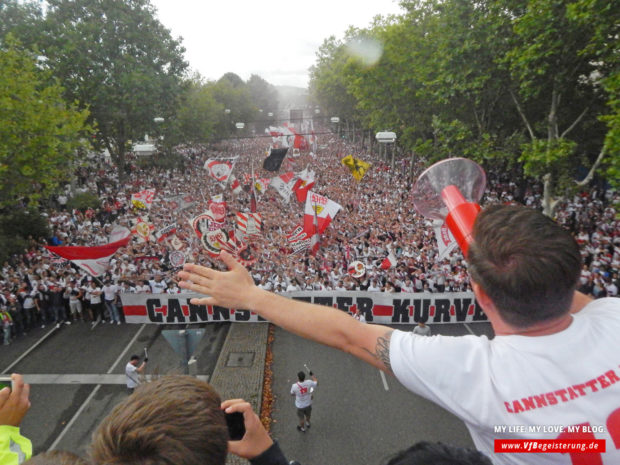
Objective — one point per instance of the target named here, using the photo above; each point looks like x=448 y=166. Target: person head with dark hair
x=429 y=453
x=526 y=264
x=134 y=358
x=301 y=376
x=56 y=457
x=174 y=419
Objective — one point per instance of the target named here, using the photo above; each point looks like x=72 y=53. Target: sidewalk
x=240 y=367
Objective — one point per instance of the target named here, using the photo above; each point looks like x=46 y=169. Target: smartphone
x=6 y=381
x=236 y=427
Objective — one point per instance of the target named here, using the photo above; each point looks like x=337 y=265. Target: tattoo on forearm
x=382 y=350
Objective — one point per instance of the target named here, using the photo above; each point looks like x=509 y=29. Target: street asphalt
x=359 y=414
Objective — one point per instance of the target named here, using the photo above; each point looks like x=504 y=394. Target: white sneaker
x=67 y=322
x=118 y=322
x=42 y=326
x=57 y=325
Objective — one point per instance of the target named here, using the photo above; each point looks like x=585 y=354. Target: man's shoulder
x=607 y=307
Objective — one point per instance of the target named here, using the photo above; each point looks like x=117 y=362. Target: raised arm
x=235 y=289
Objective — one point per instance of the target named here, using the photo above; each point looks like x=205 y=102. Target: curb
x=239 y=370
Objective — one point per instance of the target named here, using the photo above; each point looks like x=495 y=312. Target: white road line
x=469 y=329
x=123 y=354
x=21 y=357
x=92 y=394
x=75 y=417
x=385 y=384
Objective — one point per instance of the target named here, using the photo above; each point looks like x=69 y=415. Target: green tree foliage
x=116 y=58
x=603 y=19
x=527 y=85
x=21 y=19
x=18 y=228
x=264 y=96
x=199 y=112
x=39 y=133
x=231 y=93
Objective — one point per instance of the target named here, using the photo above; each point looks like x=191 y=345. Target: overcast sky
x=275 y=39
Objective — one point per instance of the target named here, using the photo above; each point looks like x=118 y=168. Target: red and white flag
x=388 y=262
x=220 y=169
x=235 y=185
x=142 y=228
x=261 y=184
x=321 y=209
x=166 y=232
x=284 y=184
x=298 y=240
x=143 y=200
x=93 y=260
x=305 y=182
x=217 y=208
x=301 y=142
x=250 y=224
x=282 y=136
x=315 y=240
x=445 y=240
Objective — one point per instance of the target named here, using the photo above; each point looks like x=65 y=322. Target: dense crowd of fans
x=377 y=219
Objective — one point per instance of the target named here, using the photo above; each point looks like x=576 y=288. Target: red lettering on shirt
x=603 y=382
x=592 y=385
x=564 y=394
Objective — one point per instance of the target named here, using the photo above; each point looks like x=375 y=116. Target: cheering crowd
x=377 y=220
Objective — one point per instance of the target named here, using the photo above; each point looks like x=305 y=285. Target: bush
x=83 y=201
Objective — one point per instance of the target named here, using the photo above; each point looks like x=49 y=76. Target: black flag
x=274 y=160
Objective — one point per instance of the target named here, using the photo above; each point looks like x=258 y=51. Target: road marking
x=469 y=329
x=21 y=357
x=92 y=394
x=385 y=384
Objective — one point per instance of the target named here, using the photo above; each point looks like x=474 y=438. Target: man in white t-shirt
x=551 y=373
x=110 y=297
x=133 y=370
x=158 y=285
x=302 y=390
x=421 y=329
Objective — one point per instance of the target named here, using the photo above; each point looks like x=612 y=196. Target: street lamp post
x=158 y=120
x=387 y=137
x=336 y=120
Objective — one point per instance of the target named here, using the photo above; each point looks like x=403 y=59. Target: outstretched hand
x=232 y=289
x=14 y=403
x=256 y=439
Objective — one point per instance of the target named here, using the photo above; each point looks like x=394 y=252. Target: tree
x=40 y=134
x=233 y=95
x=199 y=112
x=117 y=59
x=557 y=93
x=21 y=19
x=603 y=19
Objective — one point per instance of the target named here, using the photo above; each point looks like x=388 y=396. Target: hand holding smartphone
x=6 y=381
x=14 y=402
x=248 y=436
x=236 y=426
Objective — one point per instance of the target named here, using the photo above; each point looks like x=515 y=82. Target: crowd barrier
x=377 y=307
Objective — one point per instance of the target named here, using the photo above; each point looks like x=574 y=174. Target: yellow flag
x=357 y=167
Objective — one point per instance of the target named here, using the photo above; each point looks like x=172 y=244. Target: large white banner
x=377 y=307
